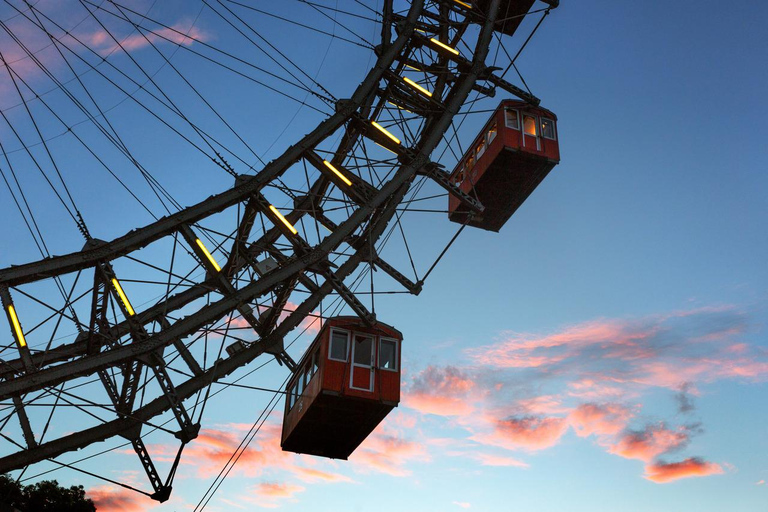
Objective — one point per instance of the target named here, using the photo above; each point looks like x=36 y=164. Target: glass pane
x=529 y=125
x=492 y=133
x=315 y=363
x=511 y=120
x=547 y=128
x=339 y=346
x=300 y=387
x=480 y=149
x=307 y=375
x=363 y=350
x=388 y=355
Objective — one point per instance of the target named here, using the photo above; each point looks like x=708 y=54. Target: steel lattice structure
x=125 y=349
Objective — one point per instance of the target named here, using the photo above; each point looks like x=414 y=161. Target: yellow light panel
x=445 y=46
x=17 y=326
x=208 y=255
x=463 y=4
x=283 y=220
x=385 y=147
x=123 y=298
x=337 y=173
x=398 y=106
x=412 y=67
x=385 y=132
x=416 y=86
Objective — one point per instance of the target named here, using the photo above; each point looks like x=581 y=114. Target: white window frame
x=554 y=128
x=397 y=358
x=517 y=114
x=330 y=344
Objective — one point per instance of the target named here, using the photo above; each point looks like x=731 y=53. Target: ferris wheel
x=121 y=333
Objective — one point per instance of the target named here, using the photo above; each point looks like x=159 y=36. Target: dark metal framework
x=127 y=348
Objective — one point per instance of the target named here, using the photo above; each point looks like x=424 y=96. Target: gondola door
x=363 y=362
x=531 y=134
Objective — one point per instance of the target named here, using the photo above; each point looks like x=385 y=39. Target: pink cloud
x=595 y=388
x=488 y=459
x=649 y=443
x=462 y=504
x=517 y=350
x=441 y=391
x=272 y=494
x=605 y=357
x=101 y=41
x=601 y=420
x=117 y=499
x=315 y=475
x=385 y=451
x=691 y=467
x=529 y=433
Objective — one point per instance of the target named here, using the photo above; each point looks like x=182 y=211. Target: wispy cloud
x=117 y=499
x=387 y=451
x=181 y=33
x=442 y=391
x=525 y=391
x=272 y=494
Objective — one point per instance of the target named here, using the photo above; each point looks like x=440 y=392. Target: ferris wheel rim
x=386 y=197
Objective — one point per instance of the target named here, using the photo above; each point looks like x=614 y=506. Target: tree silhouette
x=45 y=496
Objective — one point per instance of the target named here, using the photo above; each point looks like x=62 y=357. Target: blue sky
x=544 y=366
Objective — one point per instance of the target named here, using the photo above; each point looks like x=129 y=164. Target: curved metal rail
x=117 y=351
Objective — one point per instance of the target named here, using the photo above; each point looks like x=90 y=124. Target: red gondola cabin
x=346 y=383
x=514 y=152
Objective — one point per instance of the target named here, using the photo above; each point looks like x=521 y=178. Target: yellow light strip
x=463 y=4
x=398 y=106
x=385 y=147
x=416 y=86
x=17 y=326
x=445 y=46
x=208 y=255
x=121 y=293
x=283 y=220
x=385 y=132
x=337 y=173
x=412 y=67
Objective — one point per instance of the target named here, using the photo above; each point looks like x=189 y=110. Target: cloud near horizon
x=116 y=499
x=524 y=392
